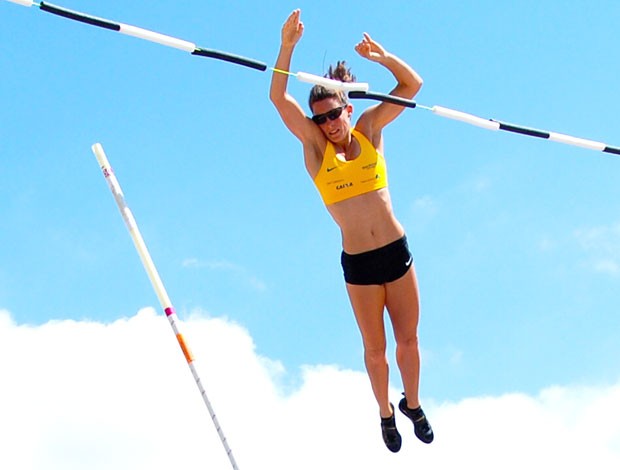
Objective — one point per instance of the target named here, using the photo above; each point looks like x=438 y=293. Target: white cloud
x=425 y=204
x=424 y=209
x=475 y=184
x=547 y=244
x=86 y=395
x=481 y=184
x=602 y=244
x=608 y=266
x=222 y=265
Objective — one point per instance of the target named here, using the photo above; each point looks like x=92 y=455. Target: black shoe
x=391 y=436
x=421 y=426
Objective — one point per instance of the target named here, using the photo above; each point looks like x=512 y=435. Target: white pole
x=330 y=83
x=576 y=141
x=26 y=3
x=159 y=38
x=465 y=117
x=157 y=283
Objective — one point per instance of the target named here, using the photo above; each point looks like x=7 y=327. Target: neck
x=349 y=147
x=345 y=144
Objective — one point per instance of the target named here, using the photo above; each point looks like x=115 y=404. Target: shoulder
x=364 y=126
x=315 y=146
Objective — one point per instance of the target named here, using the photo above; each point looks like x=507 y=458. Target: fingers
x=293 y=20
x=364 y=47
x=365 y=44
x=363 y=50
x=294 y=16
x=293 y=28
x=369 y=48
x=368 y=40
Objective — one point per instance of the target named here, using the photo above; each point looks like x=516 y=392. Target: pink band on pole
x=169 y=311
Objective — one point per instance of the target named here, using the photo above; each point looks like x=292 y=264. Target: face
x=338 y=129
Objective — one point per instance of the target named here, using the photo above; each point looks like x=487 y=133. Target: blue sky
x=516 y=240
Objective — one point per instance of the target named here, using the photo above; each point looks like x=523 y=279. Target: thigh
x=368 y=303
x=403 y=305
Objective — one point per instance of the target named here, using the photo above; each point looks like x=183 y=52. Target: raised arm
x=290 y=111
x=408 y=84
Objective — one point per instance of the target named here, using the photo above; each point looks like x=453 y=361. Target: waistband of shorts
x=401 y=242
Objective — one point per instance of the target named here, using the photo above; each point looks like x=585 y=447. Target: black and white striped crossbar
x=353 y=93
x=563 y=138
x=228 y=57
x=369 y=95
x=145 y=34
x=495 y=125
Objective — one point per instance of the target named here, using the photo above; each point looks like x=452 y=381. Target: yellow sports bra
x=338 y=179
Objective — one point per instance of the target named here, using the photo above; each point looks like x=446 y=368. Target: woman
x=348 y=168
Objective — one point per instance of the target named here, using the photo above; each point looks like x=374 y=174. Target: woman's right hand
x=292 y=29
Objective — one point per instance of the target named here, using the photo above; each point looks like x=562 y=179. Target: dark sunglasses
x=332 y=115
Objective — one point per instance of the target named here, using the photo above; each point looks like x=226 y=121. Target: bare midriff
x=366 y=221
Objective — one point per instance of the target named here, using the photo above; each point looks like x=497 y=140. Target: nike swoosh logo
x=409 y=261
x=330 y=169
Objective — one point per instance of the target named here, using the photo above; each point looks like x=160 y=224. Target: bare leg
x=403 y=304
x=368 y=304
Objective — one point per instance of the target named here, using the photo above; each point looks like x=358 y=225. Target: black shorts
x=376 y=267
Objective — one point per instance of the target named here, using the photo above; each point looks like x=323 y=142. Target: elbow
x=415 y=87
x=418 y=86
x=275 y=97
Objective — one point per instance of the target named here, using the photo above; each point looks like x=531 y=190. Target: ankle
x=386 y=413
x=412 y=404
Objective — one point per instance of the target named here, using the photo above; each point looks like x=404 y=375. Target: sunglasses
x=332 y=115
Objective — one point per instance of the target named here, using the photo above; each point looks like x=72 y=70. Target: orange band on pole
x=185 y=348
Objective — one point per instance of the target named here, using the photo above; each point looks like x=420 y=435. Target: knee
x=408 y=342
x=375 y=354
x=407 y=350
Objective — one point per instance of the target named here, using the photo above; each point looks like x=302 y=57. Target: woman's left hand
x=370 y=49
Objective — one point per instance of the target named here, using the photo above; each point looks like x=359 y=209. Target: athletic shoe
x=421 y=426
x=391 y=436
